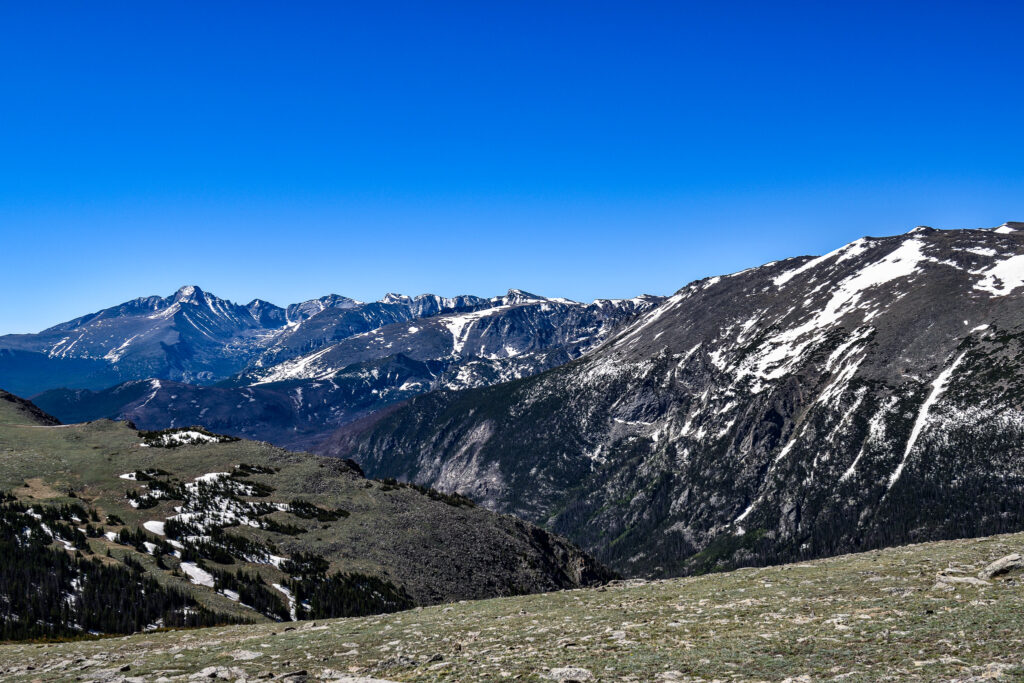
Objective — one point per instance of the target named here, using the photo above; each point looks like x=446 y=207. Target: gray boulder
x=1004 y=565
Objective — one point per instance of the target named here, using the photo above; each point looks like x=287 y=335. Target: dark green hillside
x=50 y=593
x=16 y=410
x=228 y=530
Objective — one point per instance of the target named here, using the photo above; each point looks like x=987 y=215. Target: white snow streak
x=154 y=384
x=876 y=431
x=938 y=386
x=289 y=596
x=115 y=355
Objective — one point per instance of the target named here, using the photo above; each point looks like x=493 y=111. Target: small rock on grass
x=245 y=655
x=968 y=580
x=570 y=674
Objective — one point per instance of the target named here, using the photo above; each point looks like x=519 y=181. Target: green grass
x=866 y=617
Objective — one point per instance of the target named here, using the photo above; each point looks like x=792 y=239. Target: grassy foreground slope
x=895 y=614
x=435 y=548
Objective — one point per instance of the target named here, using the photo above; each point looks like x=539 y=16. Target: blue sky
x=580 y=149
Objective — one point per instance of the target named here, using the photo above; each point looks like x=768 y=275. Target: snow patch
x=197 y=574
x=180 y=438
x=778 y=355
x=876 y=432
x=843 y=253
x=304 y=367
x=154 y=526
x=154 y=384
x=1003 y=277
x=460 y=325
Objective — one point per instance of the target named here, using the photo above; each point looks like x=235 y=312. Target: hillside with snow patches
x=340 y=360
x=105 y=529
x=812 y=406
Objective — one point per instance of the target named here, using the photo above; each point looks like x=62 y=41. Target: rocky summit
x=812 y=406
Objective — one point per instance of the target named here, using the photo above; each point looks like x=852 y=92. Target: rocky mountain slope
x=235 y=530
x=917 y=613
x=812 y=406
x=359 y=358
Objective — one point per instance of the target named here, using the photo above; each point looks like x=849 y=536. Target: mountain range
x=868 y=397
x=291 y=375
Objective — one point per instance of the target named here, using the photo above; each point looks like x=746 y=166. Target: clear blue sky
x=580 y=149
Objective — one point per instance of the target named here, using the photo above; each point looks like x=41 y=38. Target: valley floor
x=881 y=615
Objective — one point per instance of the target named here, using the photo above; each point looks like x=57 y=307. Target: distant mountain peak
x=339 y=300
x=189 y=293
x=520 y=296
x=307 y=309
x=330 y=301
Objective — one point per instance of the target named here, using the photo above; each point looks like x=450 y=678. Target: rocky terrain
x=809 y=407
x=291 y=375
x=237 y=530
x=928 y=612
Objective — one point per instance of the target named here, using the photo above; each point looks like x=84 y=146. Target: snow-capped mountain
x=339 y=360
x=870 y=396
x=195 y=337
x=492 y=331
x=322 y=322
x=191 y=335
